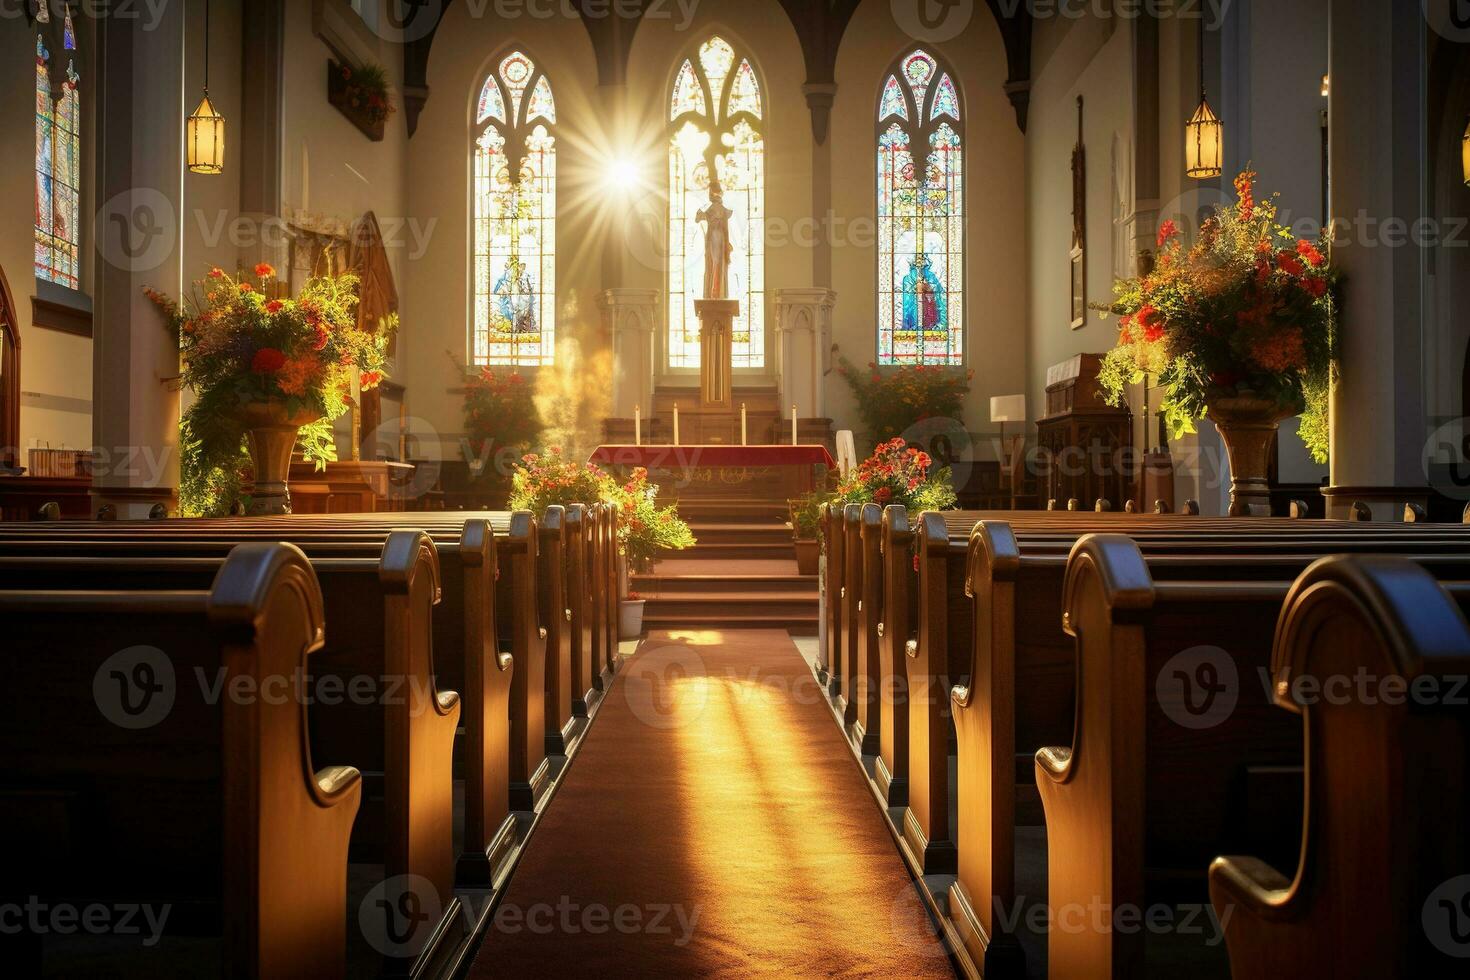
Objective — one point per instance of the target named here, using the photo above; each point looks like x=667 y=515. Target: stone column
x=138 y=235
x=804 y=347
x=629 y=316
x=1377 y=121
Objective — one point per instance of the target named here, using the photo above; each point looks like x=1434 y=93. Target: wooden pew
x=1019 y=695
x=891 y=768
x=829 y=665
x=1155 y=781
x=377 y=705
x=865 y=543
x=555 y=588
x=476 y=618
x=199 y=799
x=1378 y=887
x=849 y=623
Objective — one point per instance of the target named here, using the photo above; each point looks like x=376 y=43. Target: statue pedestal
x=716 y=322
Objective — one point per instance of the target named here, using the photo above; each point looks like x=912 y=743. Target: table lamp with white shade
x=1003 y=409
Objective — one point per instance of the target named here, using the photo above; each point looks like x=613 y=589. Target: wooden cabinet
x=1086 y=445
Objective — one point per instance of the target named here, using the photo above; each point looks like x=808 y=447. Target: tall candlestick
x=793 y=425
x=637 y=425
x=742 y=424
x=676 y=423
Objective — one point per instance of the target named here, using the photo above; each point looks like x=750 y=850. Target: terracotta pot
x=807 y=551
x=1247 y=425
x=271 y=438
x=630 y=619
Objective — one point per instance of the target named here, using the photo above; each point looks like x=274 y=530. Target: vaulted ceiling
x=819 y=25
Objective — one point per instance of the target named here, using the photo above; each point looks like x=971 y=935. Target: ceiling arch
x=819 y=27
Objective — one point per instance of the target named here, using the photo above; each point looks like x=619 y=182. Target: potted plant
x=891 y=401
x=1239 y=328
x=805 y=512
x=269 y=376
x=630 y=617
x=361 y=94
x=500 y=416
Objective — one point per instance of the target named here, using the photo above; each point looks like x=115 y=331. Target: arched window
x=515 y=217
x=921 y=225
x=715 y=118
x=58 y=154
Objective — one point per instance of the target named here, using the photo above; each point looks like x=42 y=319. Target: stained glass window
x=921 y=233
x=515 y=218
x=715 y=131
x=58 y=164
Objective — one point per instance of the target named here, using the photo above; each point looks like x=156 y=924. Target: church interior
x=823 y=488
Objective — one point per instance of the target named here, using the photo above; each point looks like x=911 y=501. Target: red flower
x=882 y=495
x=245 y=287
x=267 y=360
x=265 y=270
x=274 y=306
x=1310 y=252
x=370 y=379
x=1316 y=287
x=216 y=273
x=1288 y=263
x=1167 y=230
x=322 y=336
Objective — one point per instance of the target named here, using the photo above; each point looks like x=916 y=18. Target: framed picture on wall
x=1079 y=227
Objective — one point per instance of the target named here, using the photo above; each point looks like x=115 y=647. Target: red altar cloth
x=695 y=457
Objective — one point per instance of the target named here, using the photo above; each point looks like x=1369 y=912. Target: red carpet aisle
x=714 y=824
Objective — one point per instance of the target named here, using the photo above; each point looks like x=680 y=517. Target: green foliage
x=500 y=410
x=890 y=401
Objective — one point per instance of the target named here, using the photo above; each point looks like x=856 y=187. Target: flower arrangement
x=644 y=528
x=549 y=478
x=499 y=410
x=365 y=90
x=239 y=346
x=898 y=473
x=893 y=400
x=806 y=512
x=1247 y=310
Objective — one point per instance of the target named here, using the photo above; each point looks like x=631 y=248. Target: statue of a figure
x=717 y=247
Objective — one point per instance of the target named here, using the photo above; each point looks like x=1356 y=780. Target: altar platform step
x=751 y=533
x=732 y=511
x=691 y=592
x=737 y=550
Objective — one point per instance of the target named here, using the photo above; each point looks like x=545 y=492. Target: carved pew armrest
x=1250 y=885
x=1055 y=763
x=336 y=785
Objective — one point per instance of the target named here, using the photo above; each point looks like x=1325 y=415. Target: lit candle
x=793 y=425
x=742 y=424
x=676 y=423
x=637 y=425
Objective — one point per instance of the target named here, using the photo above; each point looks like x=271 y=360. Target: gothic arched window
x=515 y=217
x=921 y=225
x=715 y=115
x=58 y=155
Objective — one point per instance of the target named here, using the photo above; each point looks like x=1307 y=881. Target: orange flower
x=297 y=373
x=265 y=270
x=274 y=306
x=1281 y=351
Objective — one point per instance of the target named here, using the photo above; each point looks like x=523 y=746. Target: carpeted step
x=732 y=551
x=659 y=585
x=798 y=625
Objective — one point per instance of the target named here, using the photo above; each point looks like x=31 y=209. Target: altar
x=770 y=472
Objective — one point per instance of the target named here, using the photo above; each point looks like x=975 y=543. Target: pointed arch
x=58 y=152
x=513 y=254
x=717 y=133
x=921 y=228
